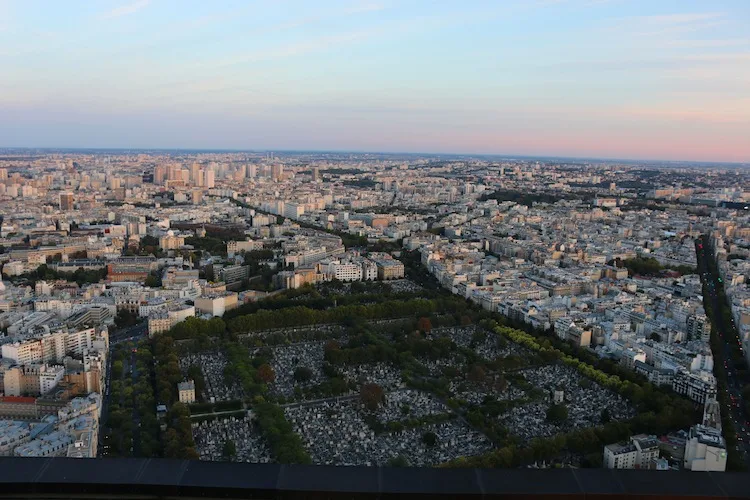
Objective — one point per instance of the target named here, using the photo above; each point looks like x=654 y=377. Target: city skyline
x=374 y=310
x=594 y=79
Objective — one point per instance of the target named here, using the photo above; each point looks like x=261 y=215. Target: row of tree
x=649 y=266
x=252 y=374
x=312 y=299
x=119 y=421
x=80 y=276
x=145 y=403
x=301 y=316
x=177 y=440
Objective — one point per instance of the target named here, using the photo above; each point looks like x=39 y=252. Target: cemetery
x=297 y=365
x=336 y=433
x=383 y=374
x=486 y=345
x=445 y=392
x=211 y=437
x=212 y=365
x=584 y=400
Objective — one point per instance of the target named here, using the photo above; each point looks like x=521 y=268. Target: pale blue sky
x=608 y=78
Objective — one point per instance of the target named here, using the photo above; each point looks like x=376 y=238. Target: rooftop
x=17 y=399
x=188 y=385
x=620 y=448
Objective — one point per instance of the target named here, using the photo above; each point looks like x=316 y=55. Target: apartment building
x=389 y=269
x=235 y=247
x=32 y=379
x=705 y=450
x=50 y=347
x=216 y=304
x=640 y=453
x=696 y=386
x=345 y=271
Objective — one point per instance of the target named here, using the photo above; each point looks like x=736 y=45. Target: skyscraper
x=174 y=172
x=209 y=178
x=66 y=201
x=160 y=174
x=195 y=174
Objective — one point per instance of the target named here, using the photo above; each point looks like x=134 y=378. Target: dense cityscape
x=375 y=309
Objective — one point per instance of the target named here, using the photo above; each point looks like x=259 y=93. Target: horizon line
x=352 y=151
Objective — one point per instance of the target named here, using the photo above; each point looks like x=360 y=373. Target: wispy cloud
x=125 y=10
x=672 y=31
x=667 y=23
x=735 y=59
x=731 y=114
x=365 y=7
x=296 y=49
x=325 y=16
x=685 y=18
x=696 y=44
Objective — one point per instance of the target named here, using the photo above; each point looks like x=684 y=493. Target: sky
x=651 y=79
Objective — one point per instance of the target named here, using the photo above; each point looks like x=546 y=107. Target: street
x=134 y=332
x=727 y=333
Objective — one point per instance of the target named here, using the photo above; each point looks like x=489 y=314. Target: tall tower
x=195 y=174
x=66 y=201
x=160 y=174
x=209 y=178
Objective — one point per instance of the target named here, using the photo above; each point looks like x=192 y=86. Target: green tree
x=230 y=450
x=153 y=281
x=371 y=395
x=429 y=438
x=303 y=374
x=476 y=373
x=557 y=413
x=125 y=318
x=399 y=461
x=148 y=245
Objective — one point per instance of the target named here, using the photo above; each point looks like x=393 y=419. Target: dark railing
x=151 y=478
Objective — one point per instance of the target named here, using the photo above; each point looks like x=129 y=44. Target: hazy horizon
x=600 y=79
x=509 y=156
